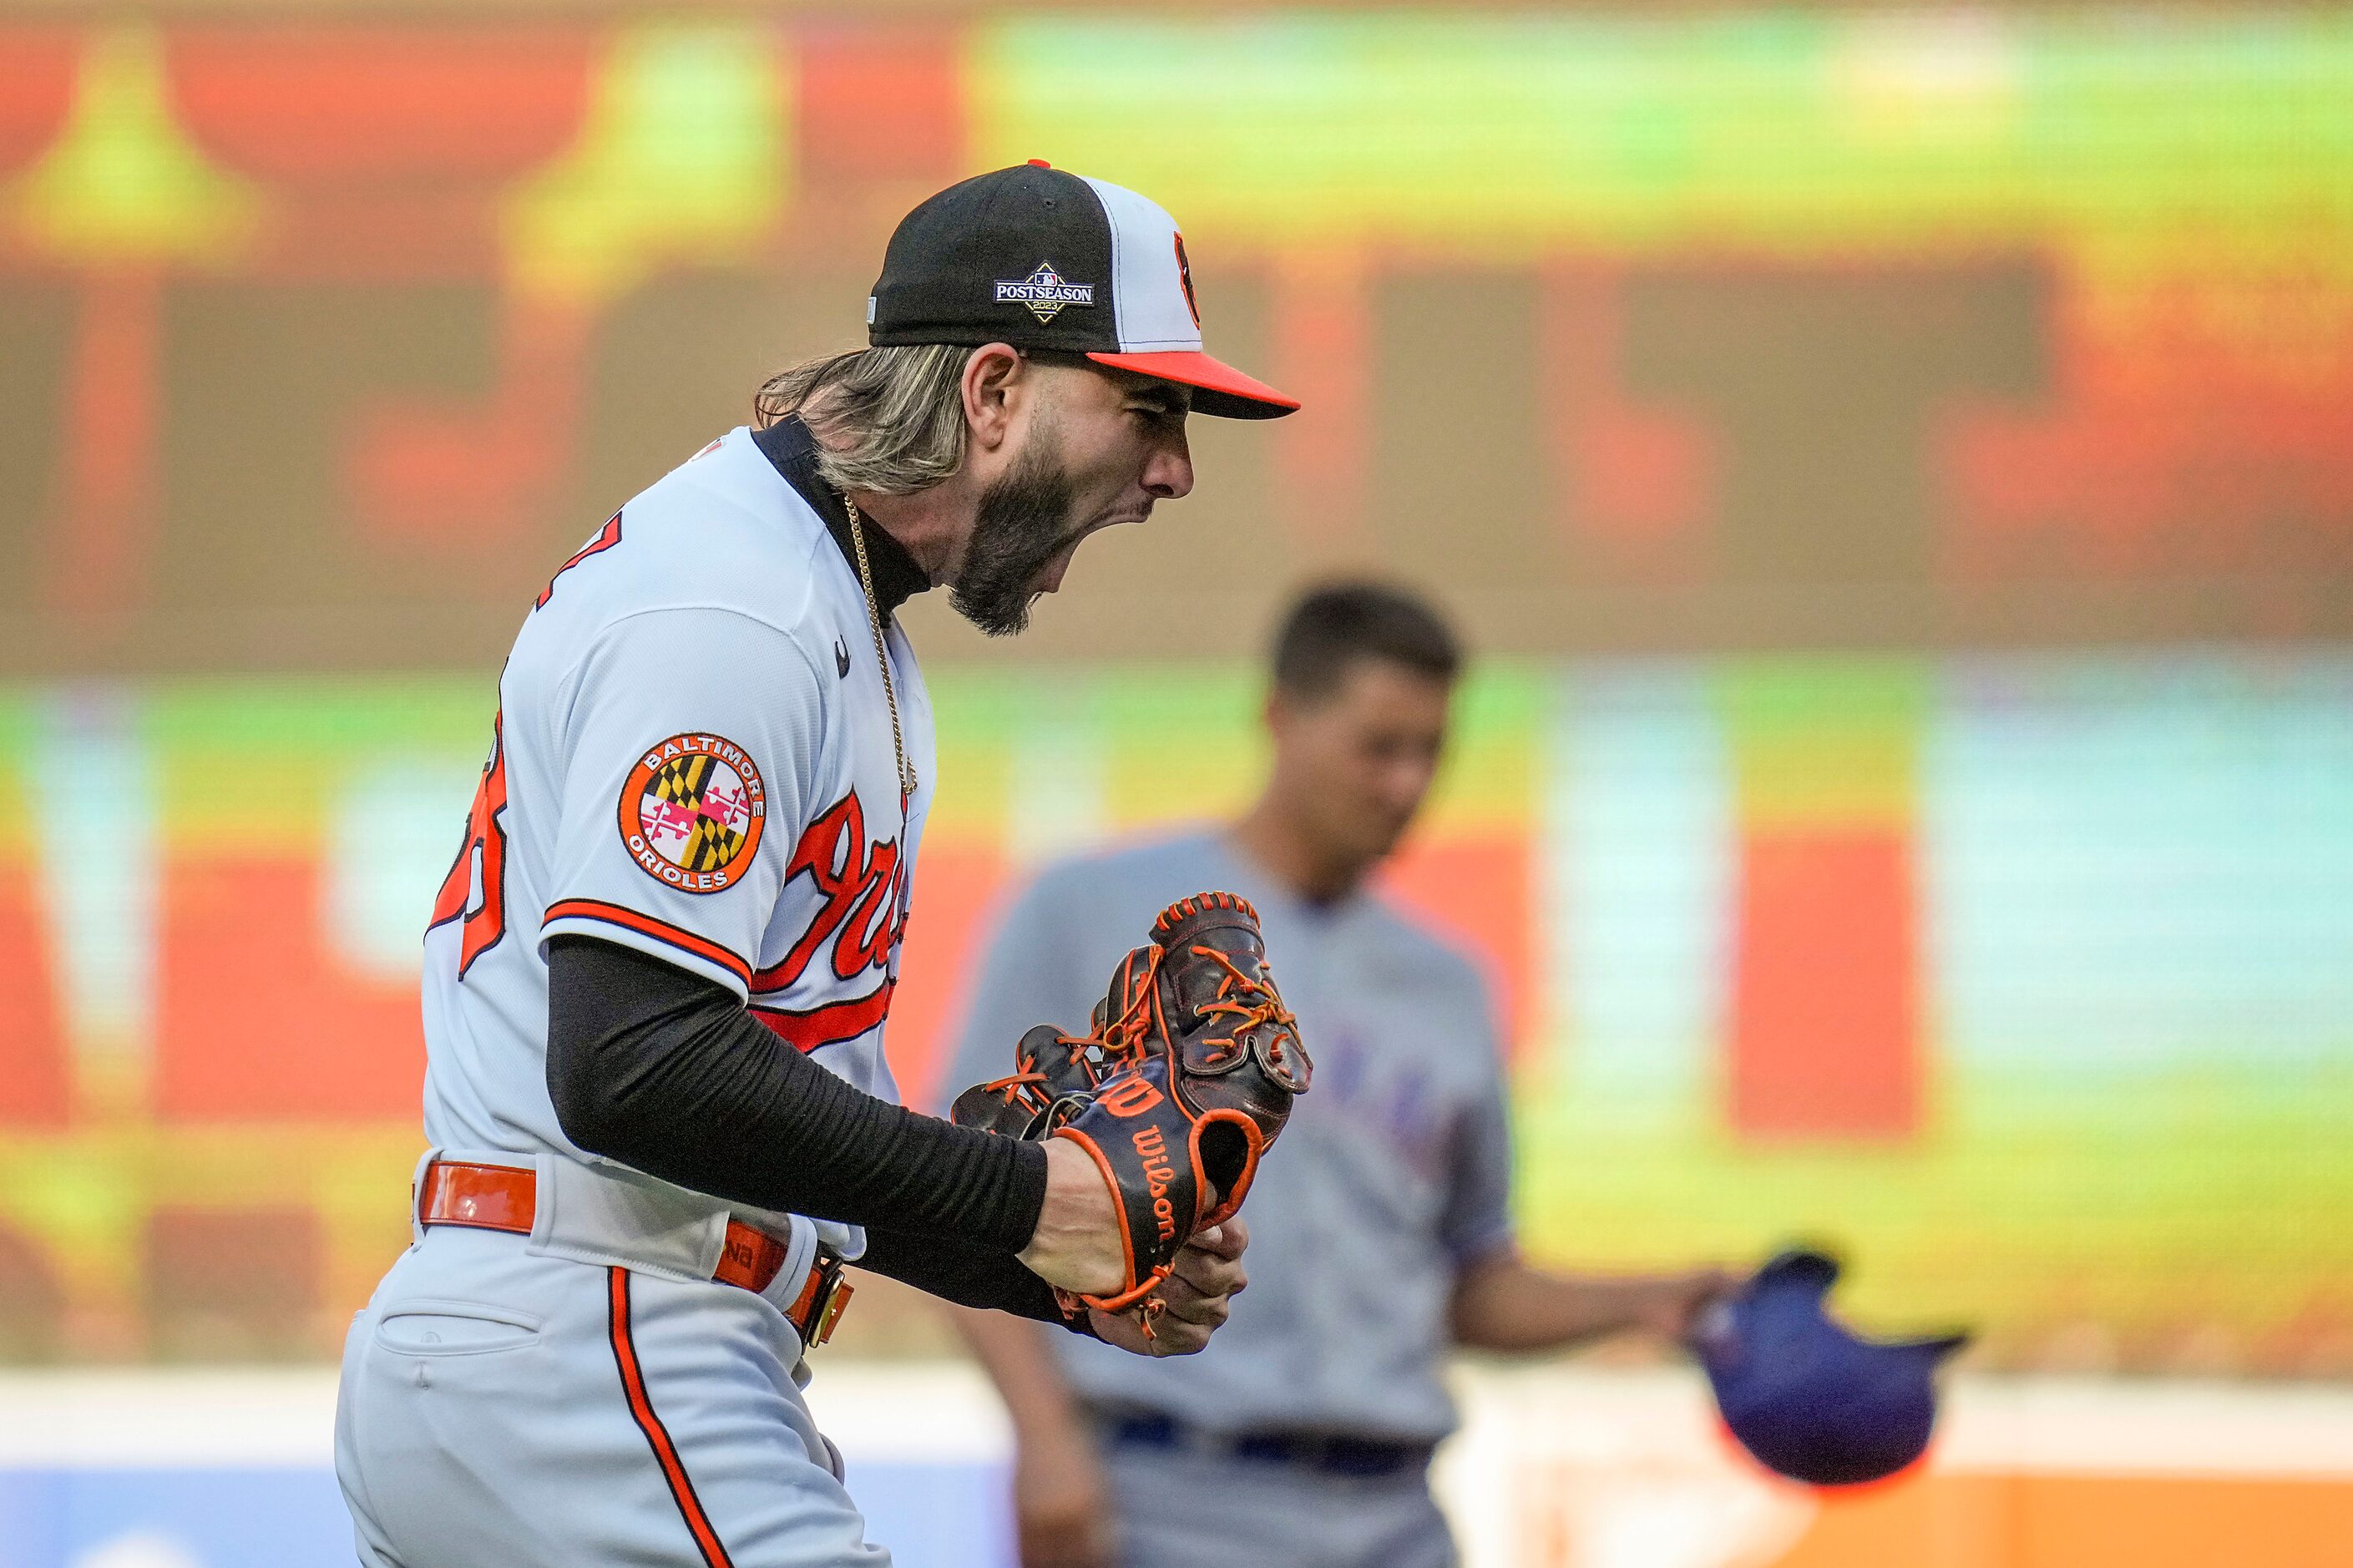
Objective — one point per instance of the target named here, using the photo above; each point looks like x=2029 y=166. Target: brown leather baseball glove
x=1185 y=1080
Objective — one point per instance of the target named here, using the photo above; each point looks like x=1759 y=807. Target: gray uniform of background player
x=1393 y=1173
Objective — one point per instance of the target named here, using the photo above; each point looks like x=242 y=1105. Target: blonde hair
x=893 y=419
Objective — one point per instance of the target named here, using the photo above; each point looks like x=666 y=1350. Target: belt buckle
x=833 y=1296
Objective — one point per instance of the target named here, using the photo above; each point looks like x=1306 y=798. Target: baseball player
x=1382 y=1237
x=657 y=976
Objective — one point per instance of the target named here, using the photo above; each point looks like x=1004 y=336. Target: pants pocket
x=439 y=1328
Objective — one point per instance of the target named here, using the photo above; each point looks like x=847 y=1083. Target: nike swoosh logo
x=841 y=658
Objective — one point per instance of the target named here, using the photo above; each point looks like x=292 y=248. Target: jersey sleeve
x=688 y=740
x=1477 y=1216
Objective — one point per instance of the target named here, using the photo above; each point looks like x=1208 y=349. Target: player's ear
x=990 y=375
x=1275 y=710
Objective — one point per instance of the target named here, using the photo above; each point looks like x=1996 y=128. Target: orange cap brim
x=1219 y=389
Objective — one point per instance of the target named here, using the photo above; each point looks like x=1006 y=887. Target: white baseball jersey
x=693 y=759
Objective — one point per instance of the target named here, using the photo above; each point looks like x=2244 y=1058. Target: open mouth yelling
x=1057 y=564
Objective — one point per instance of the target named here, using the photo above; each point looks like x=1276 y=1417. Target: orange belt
x=501 y=1197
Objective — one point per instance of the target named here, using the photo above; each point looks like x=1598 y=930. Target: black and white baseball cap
x=1040 y=259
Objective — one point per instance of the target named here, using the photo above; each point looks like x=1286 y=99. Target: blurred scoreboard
x=1902 y=462
x=1724 y=330
x=2024 y=975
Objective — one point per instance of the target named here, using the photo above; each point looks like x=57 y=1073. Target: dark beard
x=1023 y=520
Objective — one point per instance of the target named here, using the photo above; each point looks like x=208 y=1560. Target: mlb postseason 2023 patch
x=1045 y=291
x=692 y=812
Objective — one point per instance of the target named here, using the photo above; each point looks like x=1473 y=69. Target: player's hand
x=1077 y=1244
x=1678 y=1300
x=1062 y=1502
x=1207 y=1275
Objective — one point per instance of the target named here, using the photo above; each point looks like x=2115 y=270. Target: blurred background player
x=1303 y=1434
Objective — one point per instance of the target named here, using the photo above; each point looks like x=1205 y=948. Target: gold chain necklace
x=881 y=654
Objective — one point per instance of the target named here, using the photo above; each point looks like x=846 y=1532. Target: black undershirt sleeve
x=666 y=1071
x=969 y=1276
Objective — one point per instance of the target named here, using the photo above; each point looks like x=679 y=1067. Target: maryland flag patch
x=692 y=812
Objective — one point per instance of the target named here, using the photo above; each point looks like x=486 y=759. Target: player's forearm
x=1019 y=1359
x=1502 y=1304
x=666 y=1072
x=967 y=1276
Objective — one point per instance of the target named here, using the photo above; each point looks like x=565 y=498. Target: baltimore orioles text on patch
x=692 y=812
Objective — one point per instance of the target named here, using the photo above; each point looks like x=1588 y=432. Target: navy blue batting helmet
x=1803 y=1394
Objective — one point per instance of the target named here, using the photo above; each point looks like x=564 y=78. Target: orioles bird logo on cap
x=1184 y=276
